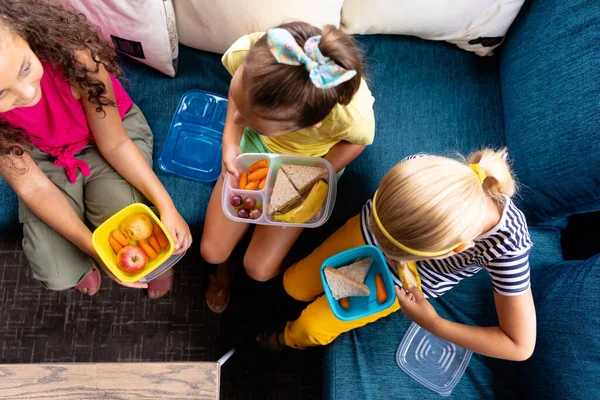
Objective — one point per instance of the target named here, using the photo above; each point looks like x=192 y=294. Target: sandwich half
x=343 y=286
x=284 y=194
x=303 y=177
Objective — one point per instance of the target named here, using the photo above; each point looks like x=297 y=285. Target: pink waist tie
x=71 y=165
x=65 y=159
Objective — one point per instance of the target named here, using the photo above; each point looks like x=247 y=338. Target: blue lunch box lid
x=193 y=145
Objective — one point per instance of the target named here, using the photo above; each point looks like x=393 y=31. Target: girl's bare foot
x=161 y=285
x=90 y=285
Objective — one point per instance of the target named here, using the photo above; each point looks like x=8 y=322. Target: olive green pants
x=56 y=262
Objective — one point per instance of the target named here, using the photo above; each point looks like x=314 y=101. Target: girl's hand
x=178 y=228
x=230 y=152
x=416 y=307
x=134 y=285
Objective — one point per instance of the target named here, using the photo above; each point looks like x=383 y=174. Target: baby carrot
x=262 y=183
x=258 y=174
x=252 y=185
x=154 y=243
x=243 y=180
x=380 y=287
x=344 y=302
x=161 y=237
x=116 y=246
x=257 y=165
x=120 y=237
x=148 y=249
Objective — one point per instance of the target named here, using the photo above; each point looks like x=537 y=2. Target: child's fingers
x=134 y=285
x=400 y=294
x=179 y=239
x=231 y=168
x=416 y=293
x=188 y=241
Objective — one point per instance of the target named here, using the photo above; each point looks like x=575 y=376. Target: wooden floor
x=114 y=381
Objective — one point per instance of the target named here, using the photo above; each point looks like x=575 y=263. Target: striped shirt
x=503 y=252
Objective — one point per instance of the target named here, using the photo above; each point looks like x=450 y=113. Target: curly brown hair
x=56 y=34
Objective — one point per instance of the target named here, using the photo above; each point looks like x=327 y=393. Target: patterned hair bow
x=323 y=71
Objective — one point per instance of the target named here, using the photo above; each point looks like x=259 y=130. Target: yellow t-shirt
x=354 y=123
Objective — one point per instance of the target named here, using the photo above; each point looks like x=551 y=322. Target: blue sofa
x=540 y=96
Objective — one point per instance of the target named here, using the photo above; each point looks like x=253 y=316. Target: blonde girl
x=451 y=218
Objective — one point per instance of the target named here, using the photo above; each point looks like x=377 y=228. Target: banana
x=309 y=207
x=409 y=275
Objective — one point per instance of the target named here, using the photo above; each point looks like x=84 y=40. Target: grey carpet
x=123 y=325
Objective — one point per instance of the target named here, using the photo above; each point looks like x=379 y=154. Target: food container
x=433 y=362
x=165 y=259
x=360 y=306
x=193 y=145
x=243 y=161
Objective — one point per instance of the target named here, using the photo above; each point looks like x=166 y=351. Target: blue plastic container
x=360 y=306
x=433 y=362
x=194 y=141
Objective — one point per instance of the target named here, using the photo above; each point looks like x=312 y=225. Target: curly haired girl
x=73 y=146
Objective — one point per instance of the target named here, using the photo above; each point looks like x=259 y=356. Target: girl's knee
x=300 y=335
x=294 y=289
x=260 y=269
x=213 y=252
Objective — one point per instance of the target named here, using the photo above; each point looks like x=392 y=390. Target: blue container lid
x=194 y=141
x=433 y=362
x=362 y=306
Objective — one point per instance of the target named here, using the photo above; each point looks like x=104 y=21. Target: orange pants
x=317 y=325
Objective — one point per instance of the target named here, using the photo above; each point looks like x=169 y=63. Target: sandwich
x=358 y=270
x=303 y=177
x=348 y=280
x=284 y=194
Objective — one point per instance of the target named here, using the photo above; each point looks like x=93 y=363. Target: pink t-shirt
x=57 y=125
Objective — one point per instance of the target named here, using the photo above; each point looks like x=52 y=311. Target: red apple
x=132 y=259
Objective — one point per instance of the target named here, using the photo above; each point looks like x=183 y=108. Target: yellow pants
x=317 y=325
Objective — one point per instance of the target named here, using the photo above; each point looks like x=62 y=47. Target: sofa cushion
x=551 y=95
x=473 y=25
x=566 y=360
x=362 y=364
x=216 y=25
x=144 y=29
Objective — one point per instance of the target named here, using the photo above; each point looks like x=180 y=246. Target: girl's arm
x=513 y=340
x=342 y=154
x=232 y=135
x=124 y=156
x=47 y=202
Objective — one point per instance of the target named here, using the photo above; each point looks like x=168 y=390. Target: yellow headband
x=479 y=171
x=403 y=247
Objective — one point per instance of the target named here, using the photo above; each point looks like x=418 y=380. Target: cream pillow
x=213 y=25
x=142 y=29
x=474 y=25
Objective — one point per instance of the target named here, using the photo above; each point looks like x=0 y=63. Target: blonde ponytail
x=499 y=180
x=432 y=203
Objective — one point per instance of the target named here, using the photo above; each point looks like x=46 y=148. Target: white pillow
x=474 y=25
x=142 y=29
x=214 y=25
